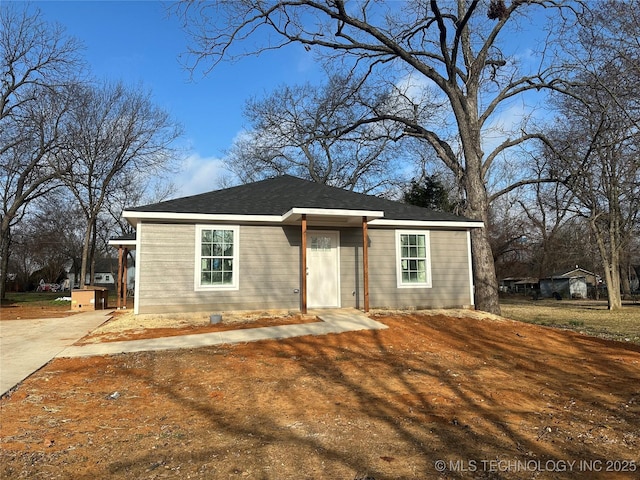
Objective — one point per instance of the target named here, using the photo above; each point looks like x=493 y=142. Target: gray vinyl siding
x=351 y=277
x=269 y=270
x=449 y=272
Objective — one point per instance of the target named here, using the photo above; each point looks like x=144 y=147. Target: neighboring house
x=286 y=243
x=591 y=278
x=525 y=285
x=105 y=275
x=563 y=287
x=574 y=283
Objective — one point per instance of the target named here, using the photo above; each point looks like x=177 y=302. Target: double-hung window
x=216 y=257
x=413 y=259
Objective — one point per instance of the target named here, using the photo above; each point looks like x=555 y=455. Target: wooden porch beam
x=365 y=262
x=124 y=276
x=119 y=278
x=303 y=266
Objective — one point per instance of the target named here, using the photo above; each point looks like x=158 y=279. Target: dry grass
x=584 y=316
x=127 y=321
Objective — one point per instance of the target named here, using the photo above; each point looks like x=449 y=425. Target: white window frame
x=198 y=287
x=427 y=242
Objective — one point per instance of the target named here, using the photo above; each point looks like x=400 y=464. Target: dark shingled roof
x=278 y=195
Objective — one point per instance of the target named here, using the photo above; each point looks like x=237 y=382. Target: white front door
x=323 y=265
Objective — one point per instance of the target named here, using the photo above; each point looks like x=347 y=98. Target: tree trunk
x=625 y=279
x=610 y=261
x=614 y=299
x=92 y=254
x=86 y=246
x=484 y=273
x=477 y=206
x=5 y=242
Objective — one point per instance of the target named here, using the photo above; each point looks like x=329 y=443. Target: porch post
x=303 y=266
x=365 y=262
x=124 y=276
x=119 y=278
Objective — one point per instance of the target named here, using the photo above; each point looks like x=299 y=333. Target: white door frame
x=335 y=234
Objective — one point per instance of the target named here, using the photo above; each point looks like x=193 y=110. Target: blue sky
x=139 y=43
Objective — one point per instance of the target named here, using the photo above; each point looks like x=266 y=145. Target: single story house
x=591 y=278
x=573 y=283
x=104 y=275
x=563 y=287
x=287 y=243
x=519 y=285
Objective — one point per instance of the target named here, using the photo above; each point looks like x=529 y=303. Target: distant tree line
x=72 y=151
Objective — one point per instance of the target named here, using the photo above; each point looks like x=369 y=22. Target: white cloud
x=199 y=175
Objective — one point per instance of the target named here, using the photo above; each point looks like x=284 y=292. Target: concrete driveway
x=28 y=345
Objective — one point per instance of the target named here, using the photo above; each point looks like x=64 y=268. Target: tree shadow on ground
x=369 y=404
x=388 y=404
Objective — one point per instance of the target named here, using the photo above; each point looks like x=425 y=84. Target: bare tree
x=450 y=48
x=38 y=63
x=136 y=188
x=305 y=131
x=116 y=132
x=597 y=147
x=597 y=136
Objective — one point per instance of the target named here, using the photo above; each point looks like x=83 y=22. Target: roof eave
x=374 y=218
x=389 y=222
x=133 y=217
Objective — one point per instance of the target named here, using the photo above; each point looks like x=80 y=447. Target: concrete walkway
x=333 y=321
x=28 y=345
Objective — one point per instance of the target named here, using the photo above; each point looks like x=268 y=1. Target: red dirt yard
x=433 y=396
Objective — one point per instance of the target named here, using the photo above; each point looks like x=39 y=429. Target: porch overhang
x=330 y=217
x=128 y=243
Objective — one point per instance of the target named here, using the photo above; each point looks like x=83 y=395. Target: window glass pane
x=218 y=236
x=413 y=258
x=216 y=257
x=319 y=243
